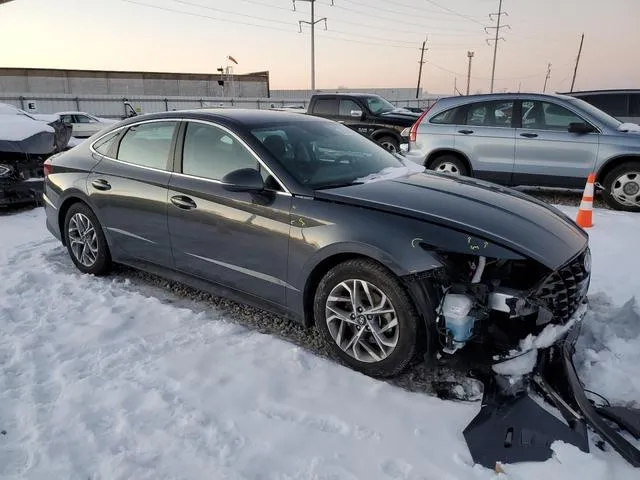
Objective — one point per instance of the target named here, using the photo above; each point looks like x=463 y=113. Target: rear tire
x=449 y=164
x=386 y=343
x=86 y=243
x=389 y=143
x=622 y=187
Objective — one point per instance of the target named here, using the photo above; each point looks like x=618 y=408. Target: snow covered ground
x=102 y=379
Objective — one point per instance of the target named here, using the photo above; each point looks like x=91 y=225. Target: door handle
x=529 y=135
x=101 y=184
x=183 y=202
x=466 y=132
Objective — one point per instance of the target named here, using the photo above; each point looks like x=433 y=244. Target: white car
x=84 y=124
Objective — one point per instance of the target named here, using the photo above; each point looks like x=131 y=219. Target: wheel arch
x=383 y=132
x=401 y=268
x=71 y=197
x=612 y=163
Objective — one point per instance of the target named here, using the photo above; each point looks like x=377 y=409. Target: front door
x=487 y=137
x=128 y=189
x=547 y=154
x=237 y=239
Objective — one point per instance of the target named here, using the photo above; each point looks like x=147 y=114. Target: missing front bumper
x=512 y=427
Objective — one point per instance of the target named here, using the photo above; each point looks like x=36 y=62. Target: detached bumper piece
x=21 y=179
x=512 y=427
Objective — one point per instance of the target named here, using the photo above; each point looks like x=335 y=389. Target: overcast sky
x=369 y=43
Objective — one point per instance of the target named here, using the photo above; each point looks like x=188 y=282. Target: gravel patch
x=564 y=197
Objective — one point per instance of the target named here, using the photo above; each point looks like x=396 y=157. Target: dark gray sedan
x=305 y=217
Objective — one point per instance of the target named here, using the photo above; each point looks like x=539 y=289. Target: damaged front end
x=515 y=322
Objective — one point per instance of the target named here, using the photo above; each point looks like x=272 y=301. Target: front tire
x=622 y=187
x=367 y=318
x=85 y=240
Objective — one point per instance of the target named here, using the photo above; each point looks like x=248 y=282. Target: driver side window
x=210 y=152
x=547 y=116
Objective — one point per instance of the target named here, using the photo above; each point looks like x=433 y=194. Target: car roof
x=611 y=91
x=346 y=94
x=73 y=113
x=505 y=96
x=238 y=116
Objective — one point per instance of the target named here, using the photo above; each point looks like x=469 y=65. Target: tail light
x=414 y=128
x=47 y=167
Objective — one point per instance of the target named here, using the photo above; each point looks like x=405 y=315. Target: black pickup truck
x=368 y=114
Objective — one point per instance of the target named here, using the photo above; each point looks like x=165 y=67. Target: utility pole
x=575 y=71
x=470 y=55
x=547 y=78
x=312 y=23
x=497 y=37
x=422 y=62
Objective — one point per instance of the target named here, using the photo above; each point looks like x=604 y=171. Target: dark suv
x=368 y=114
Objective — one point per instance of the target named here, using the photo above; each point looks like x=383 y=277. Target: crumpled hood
x=497 y=214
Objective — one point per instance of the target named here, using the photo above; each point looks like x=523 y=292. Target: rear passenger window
x=326 y=106
x=103 y=145
x=210 y=152
x=448 y=117
x=490 y=114
x=148 y=144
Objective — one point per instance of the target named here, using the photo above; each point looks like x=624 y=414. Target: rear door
x=128 y=189
x=487 y=137
x=547 y=154
x=237 y=239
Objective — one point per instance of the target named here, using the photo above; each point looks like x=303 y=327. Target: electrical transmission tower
x=470 y=56
x=312 y=23
x=547 y=78
x=497 y=38
x=421 y=62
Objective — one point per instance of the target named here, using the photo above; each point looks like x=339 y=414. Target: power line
x=387 y=19
x=269 y=27
x=377 y=37
x=172 y=10
x=455 y=13
x=207 y=7
x=414 y=13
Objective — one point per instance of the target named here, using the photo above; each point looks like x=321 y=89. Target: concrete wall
x=81 y=82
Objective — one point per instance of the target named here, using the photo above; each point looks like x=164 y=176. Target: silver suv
x=531 y=139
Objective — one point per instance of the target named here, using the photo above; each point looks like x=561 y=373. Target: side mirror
x=579 y=127
x=356 y=113
x=243 y=180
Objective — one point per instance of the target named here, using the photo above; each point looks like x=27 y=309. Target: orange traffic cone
x=585 y=212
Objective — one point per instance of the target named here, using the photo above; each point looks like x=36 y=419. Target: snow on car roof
x=15 y=129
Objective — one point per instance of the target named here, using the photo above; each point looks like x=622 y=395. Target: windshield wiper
x=337 y=185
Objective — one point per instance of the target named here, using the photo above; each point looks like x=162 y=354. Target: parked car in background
x=367 y=114
x=84 y=124
x=531 y=140
x=623 y=105
x=26 y=140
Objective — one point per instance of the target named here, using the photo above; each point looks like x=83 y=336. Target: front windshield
x=322 y=154
x=379 y=105
x=595 y=112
